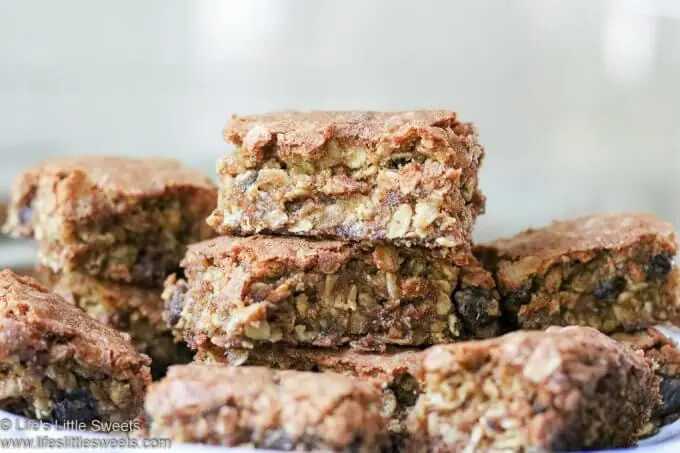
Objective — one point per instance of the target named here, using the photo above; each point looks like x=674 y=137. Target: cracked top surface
x=328 y=407
x=35 y=319
x=308 y=131
x=609 y=231
x=269 y=252
x=126 y=176
x=558 y=357
x=296 y=252
x=195 y=388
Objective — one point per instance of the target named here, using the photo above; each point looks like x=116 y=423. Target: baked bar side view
x=407 y=178
x=563 y=389
x=664 y=355
x=264 y=408
x=608 y=271
x=58 y=364
x=396 y=371
x=117 y=218
x=134 y=310
x=243 y=292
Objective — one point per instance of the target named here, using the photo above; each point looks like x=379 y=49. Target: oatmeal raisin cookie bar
x=60 y=365
x=564 y=389
x=405 y=178
x=116 y=218
x=244 y=292
x=608 y=271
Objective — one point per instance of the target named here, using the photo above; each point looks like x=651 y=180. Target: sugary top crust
x=263 y=252
x=331 y=407
x=557 y=357
x=296 y=252
x=309 y=131
x=610 y=231
x=125 y=176
x=35 y=319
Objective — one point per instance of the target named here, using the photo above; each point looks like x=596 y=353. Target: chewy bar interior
x=396 y=371
x=137 y=311
x=263 y=408
x=406 y=178
x=116 y=218
x=608 y=271
x=563 y=389
x=58 y=364
x=664 y=356
x=243 y=292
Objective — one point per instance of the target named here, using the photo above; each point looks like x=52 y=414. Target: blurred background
x=577 y=102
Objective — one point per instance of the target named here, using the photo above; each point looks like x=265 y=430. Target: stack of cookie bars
x=343 y=306
x=347 y=247
x=109 y=230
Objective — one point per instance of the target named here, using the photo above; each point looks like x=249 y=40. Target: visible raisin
x=396 y=164
x=659 y=266
x=406 y=389
x=396 y=443
x=512 y=302
x=294 y=206
x=609 y=289
x=25 y=215
x=515 y=298
x=151 y=267
x=476 y=308
x=356 y=446
x=176 y=305
x=670 y=397
x=74 y=405
x=277 y=440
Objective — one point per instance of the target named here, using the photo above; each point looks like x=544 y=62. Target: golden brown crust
x=585 y=234
x=30 y=309
x=270 y=251
x=300 y=253
x=122 y=177
x=86 y=186
x=266 y=408
x=555 y=390
x=306 y=132
x=543 y=358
